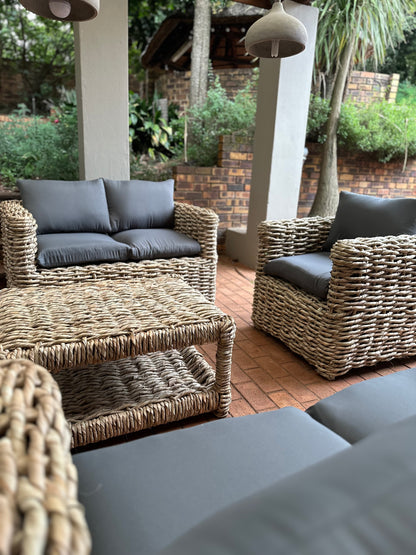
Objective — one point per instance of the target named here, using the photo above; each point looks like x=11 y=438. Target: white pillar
x=101 y=69
x=282 y=112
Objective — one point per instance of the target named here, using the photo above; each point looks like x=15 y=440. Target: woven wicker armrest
x=289 y=237
x=39 y=509
x=18 y=228
x=199 y=223
x=374 y=271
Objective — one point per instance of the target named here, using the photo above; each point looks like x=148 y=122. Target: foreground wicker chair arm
x=289 y=237
x=375 y=274
x=18 y=230
x=200 y=224
x=39 y=510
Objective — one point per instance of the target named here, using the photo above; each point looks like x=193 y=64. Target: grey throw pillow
x=66 y=206
x=140 y=204
x=368 y=216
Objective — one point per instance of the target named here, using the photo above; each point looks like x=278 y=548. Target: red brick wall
x=174 y=85
x=360 y=174
x=226 y=188
x=363 y=86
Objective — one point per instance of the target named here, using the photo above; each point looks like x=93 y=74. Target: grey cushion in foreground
x=361 y=501
x=368 y=216
x=66 y=206
x=311 y=272
x=67 y=249
x=141 y=495
x=369 y=406
x=149 y=244
x=140 y=204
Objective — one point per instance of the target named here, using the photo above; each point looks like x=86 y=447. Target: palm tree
x=348 y=32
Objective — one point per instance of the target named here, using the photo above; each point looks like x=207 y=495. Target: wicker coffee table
x=123 y=351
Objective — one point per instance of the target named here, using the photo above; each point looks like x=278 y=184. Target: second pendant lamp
x=276 y=35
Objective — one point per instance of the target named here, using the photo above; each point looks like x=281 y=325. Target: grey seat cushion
x=149 y=244
x=311 y=272
x=67 y=249
x=361 y=501
x=368 y=216
x=66 y=206
x=141 y=495
x=140 y=204
x=369 y=406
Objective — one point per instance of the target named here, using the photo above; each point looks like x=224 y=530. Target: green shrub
x=150 y=134
x=317 y=118
x=38 y=148
x=386 y=131
x=219 y=116
x=406 y=93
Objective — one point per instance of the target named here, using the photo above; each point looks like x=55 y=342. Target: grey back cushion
x=368 y=216
x=66 y=206
x=311 y=272
x=140 y=204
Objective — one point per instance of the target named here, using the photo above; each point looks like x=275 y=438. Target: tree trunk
x=326 y=199
x=200 y=52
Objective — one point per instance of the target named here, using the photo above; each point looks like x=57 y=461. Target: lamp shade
x=276 y=35
x=63 y=10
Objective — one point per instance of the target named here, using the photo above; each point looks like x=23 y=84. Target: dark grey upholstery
x=148 y=244
x=67 y=249
x=366 y=407
x=369 y=216
x=359 y=502
x=140 y=204
x=141 y=495
x=66 y=206
x=311 y=272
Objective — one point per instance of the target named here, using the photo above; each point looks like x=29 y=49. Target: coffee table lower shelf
x=115 y=398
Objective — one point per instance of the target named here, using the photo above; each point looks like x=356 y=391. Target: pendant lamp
x=64 y=10
x=276 y=35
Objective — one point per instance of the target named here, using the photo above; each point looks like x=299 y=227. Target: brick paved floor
x=266 y=375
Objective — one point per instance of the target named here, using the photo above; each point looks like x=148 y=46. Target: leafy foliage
x=406 y=93
x=150 y=134
x=40 y=50
x=36 y=147
x=220 y=116
x=385 y=131
x=402 y=58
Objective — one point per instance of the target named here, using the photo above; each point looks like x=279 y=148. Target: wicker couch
x=21 y=253
x=369 y=313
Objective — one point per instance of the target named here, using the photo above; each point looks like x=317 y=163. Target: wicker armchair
x=370 y=312
x=39 y=508
x=18 y=229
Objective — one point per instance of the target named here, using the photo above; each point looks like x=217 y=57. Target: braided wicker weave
x=84 y=324
x=370 y=312
x=39 y=509
x=20 y=249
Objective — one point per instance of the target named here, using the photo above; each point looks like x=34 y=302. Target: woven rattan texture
x=82 y=324
x=39 y=509
x=134 y=394
x=20 y=247
x=370 y=313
